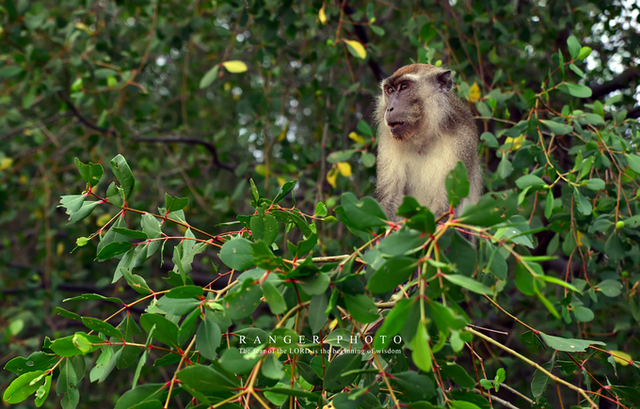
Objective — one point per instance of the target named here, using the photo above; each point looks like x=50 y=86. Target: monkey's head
x=415 y=98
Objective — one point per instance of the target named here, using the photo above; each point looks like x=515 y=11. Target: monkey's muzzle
x=397 y=128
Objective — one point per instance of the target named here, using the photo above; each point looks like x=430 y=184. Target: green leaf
x=135 y=281
x=421 y=350
x=583 y=314
x=209 y=77
x=457 y=184
x=491 y=209
x=178 y=306
x=333 y=379
x=577 y=70
x=93 y=297
x=307 y=245
x=392 y=324
x=368 y=159
x=364 y=129
x=530 y=180
x=361 y=307
x=462 y=404
x=205 y=379
x=557 y=281
x=165 y=331
x=121 y=170
x=23 y=386
x=504 y=167
x=584 y=53
x=102 y=327
x=584 y=205
x=263 y=257
x=77 y=208
x=113 y=249
x=568 y=344
x=235 y=362
x=102 y=73
x=274 y=299
x=595 y=184
x=284 y=190
x=135 y=234
x=575 y=90
x=361 y=215
x=237 y=254
x=35 y=362
x=91 y=172
x=420 y=217
x=587 y=118
x=208 y=336
x=67 y=381
x=561 y=63
x=145 y=396
x=308 y=373
x=188 y=326
x=457 y=374
x=416 y=387
x=173 y=204
x=524 y=280
x=317 y=317
x=634 y=162
x=10 y=71
x=67 y=347
x=72 y=203
x=574 y=47
x=253 y=190
x=557 y=128
x=378 y=30
x=340 y=156
x=445 y=318
x=272 y=367
x=490 y=141
x=399 y=243
x=610 y=288
x=242 y=303
x=321 y=210
x=468 y=283
x=43 y=391
x=393 y=272
x=143 y=359
x=264 y=227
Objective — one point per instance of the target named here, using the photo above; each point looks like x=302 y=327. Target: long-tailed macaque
x=423 y=130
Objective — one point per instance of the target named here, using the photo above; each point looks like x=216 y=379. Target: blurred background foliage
x=91 y=79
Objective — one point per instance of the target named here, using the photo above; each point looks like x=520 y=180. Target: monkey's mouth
x=397 y=128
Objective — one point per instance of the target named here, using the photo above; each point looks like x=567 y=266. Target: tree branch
x=361 y=34
x=632 y=113
x=21 y=129
x=619 y=82
x=84 y=121
x=190 y=141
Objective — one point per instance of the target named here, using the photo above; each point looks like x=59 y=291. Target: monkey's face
x=410 y=98
x=403 y=108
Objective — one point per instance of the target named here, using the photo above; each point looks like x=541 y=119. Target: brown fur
x=436 y=131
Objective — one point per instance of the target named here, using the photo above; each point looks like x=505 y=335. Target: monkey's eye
x=403 y=87
x=390 y=90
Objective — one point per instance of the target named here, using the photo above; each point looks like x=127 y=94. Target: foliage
x=198 y=306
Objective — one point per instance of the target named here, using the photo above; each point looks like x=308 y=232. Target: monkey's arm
x=390 y=187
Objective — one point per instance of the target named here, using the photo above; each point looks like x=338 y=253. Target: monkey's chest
x=426 y=174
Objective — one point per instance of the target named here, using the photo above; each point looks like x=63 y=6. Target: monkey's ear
x=444 y=81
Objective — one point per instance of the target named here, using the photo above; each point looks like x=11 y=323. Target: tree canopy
x=185 y=195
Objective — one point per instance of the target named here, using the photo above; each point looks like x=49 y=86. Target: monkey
x=423 y=131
